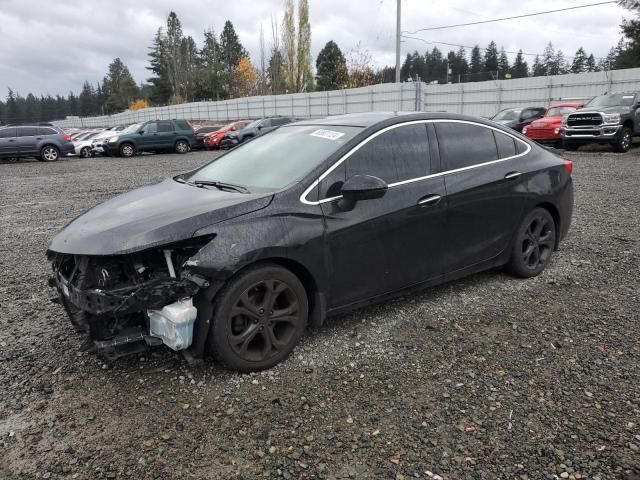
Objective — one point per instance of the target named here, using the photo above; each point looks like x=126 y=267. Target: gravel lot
x=490 y=377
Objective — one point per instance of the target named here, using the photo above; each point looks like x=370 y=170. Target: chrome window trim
x=303 y=197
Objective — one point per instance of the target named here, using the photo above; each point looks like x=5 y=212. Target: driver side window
x=151 y=127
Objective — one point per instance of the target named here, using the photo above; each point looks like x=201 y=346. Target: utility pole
x=398 y=42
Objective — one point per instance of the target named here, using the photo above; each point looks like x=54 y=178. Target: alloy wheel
x=50 y=154
x=538 y=242
x=127 y=150
x=625 y=142
x=182 y=147
x=85 y=152
x=263 y=320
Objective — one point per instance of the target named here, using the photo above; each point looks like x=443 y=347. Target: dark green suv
x=152 y=136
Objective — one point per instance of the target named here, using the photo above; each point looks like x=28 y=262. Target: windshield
x=616 y=100
x=131 y=128
x=508 y=115
x=559 y=111
x=253 y=124
x=278 y=159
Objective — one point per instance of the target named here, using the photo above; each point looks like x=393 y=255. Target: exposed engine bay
x=126 y=303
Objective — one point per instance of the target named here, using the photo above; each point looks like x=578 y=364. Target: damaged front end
x=126 y=303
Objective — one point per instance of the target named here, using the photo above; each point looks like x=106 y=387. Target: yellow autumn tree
x=138 y=104
x=244 y=79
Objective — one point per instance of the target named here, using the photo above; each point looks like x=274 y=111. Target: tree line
x=221 y=68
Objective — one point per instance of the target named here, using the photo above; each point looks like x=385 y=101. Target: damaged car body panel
x=238 y=257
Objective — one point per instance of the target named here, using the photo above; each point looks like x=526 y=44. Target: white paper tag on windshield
x=328 y=134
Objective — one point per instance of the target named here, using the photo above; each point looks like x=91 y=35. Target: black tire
x=182 y=146
x=246 y=332
x=127 y=150
x=85 y=152
x=49 y=153
x=572 y=147
x=624 y=140
x=534 y=243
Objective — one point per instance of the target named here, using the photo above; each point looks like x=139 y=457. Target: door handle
x=512 y=175
x=429 y=201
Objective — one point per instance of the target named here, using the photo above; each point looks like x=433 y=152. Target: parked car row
x=612 y=119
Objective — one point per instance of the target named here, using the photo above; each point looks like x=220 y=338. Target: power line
x=429 y=42
x=509 y=18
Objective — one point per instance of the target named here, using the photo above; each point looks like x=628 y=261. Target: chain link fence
x=478 y=98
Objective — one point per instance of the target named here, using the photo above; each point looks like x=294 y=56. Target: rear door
x=385 y=244
x=166 y=134
x=485 y=190
x=27 y=140
x=8 y=142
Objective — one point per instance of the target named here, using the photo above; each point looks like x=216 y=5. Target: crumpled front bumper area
x=108 y=297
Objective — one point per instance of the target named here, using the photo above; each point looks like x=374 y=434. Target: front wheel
x=182 y=146
x=127 y=150
x=534 y=244
x=49 y=153
x=623 y=142
x=85 y=152
x=258 y=318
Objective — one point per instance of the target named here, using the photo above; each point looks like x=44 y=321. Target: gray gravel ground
x=490 y=377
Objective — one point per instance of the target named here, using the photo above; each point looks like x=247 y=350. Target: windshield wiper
x=219 y=185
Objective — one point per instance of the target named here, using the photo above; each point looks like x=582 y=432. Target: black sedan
x=240 y=256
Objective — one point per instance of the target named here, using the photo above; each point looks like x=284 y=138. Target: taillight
x=568 y=166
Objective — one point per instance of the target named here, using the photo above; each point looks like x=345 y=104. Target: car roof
x=370 y=119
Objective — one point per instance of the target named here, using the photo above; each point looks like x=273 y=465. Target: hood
x=506 y=123
x=151 y=216
x=546 y=122
x=615 y=109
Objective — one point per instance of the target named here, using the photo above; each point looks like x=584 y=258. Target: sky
x=54 y=46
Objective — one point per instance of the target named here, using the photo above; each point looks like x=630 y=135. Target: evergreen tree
x=331 y=68
x=13 y=113
x=491 y=57
x=160 y=91
x=579 y=63
x=211 y=78
x=590 y=64
x=85 y=100
x=559 y=65
x=520 y=68
x=503 y=62
x=121 y=88
x=629 y=57
x=231 y=48
x=538 y=69
x=475 y=66
x=548 y=60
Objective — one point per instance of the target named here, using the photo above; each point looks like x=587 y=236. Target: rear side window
x=46 y=131
x=506 y=144
x=165 y=126
x=465 y=144
x=183 y=124
x=27 y=131
x=7 y=133
x=396 y=155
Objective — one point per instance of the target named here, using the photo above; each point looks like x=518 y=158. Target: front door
x=148 y=139
x=27 y=140
x=485 y=200
x=385 y=244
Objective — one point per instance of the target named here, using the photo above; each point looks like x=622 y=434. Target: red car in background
x=547 y=129
x=212 y=140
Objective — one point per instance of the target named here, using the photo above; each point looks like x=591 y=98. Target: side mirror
x=141 y=132
x=363 y=187
x=233 y=129
x=260 y=127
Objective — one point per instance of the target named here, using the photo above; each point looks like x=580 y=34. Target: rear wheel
x=49 y=153
x=182 y=146
x=127 y=150
x=623 y=142
x=258 y=318
x=534 y=244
